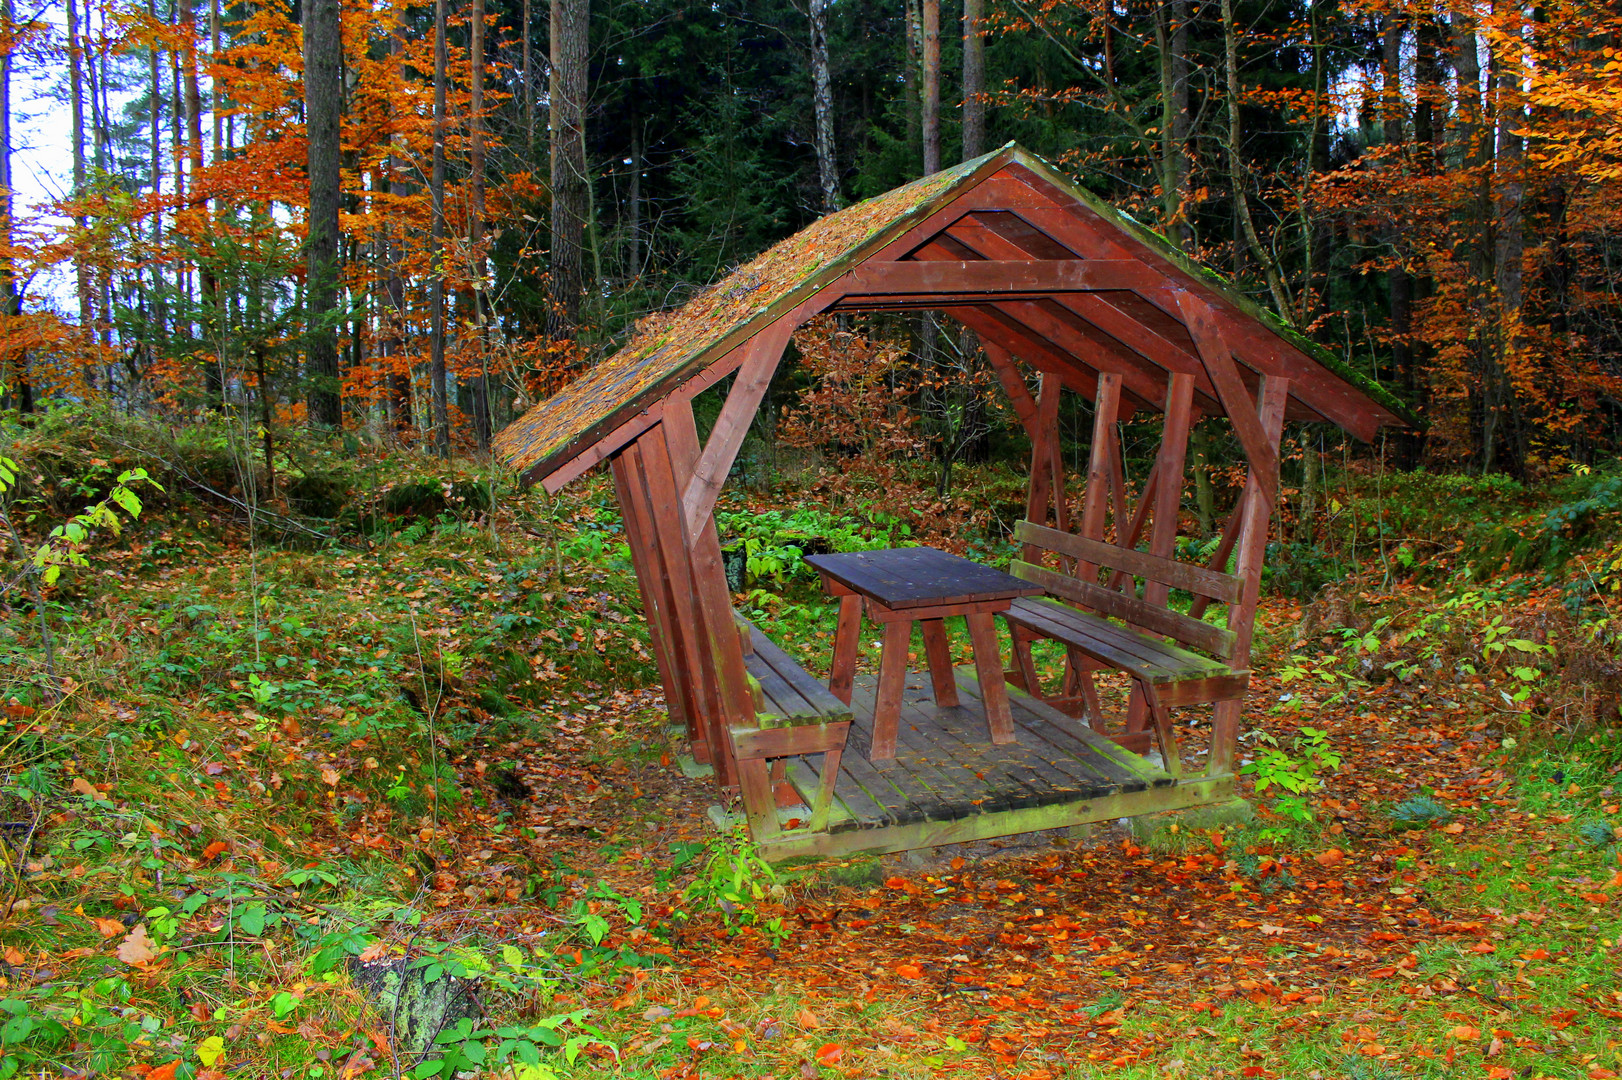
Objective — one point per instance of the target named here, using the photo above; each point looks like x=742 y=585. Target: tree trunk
x=177 y=112
x=14 y=370
x=529 y=85
x=436 y=183
x=633 y=229
x=481 y=382
x=160 y=320
x=402 y=415
x=932 y=86
x=81 y=261
x=974 y=79
x=823 y=106
x=1509 y=113
x=910 y=75
x=1393 y=124
x=1236 y=167
x=323 y=90
x=1171 y=41
x=571 y=195
x=1473 y=246
x=213 y=378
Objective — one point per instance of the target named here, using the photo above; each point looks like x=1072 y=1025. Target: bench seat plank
x=1138 y=654
x=798 y=696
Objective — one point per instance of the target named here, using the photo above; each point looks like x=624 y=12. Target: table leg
x=988 y=665
x=938 y=648
x=892 y=680
x=1024 y=664
x=847 y=636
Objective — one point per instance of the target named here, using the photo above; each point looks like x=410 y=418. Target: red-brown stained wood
x=938 y=652
x=1038 y=276
x=1252 y=552
x=656 y=602
x=737 y=414
x=1170 y=461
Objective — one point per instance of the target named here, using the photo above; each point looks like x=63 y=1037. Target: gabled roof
x=1009 y=208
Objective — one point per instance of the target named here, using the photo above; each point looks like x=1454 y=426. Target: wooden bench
x=796 y=715
x=1190 y=669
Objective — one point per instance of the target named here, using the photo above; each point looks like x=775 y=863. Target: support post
x=663 y=628
x=720 y=648
x=1094 y=503
x=1258 y=512
x=667 y=533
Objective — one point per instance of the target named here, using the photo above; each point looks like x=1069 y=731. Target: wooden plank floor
x=946 y=767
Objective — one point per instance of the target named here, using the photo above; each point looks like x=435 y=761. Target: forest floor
x=280 y=770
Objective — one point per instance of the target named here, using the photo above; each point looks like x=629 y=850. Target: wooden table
x=919 y=584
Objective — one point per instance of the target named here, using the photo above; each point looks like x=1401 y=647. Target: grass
x=450 y=753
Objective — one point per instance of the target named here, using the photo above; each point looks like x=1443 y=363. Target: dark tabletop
x=919 y=577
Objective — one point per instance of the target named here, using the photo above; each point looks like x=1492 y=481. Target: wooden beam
x=1001 y=329
x=1095 y=308
x=1219 y=558
x=720 y=649
x=597 y=452
x=1260 y=451
x=1013 y=384
x=663 y=628
x=666 y=535
x=1040 y=276
x=1040 y=485
x=765 y=350
x=1094 y=502
x=795 y=843
x=1171 y=461
x=1275 y=393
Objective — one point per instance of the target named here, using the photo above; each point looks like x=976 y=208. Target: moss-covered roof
x=670 y=348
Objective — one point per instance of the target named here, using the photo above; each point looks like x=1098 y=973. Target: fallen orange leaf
x=829 y=1053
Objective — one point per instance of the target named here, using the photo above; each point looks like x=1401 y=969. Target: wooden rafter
x=737 y=413
x=1260 y=451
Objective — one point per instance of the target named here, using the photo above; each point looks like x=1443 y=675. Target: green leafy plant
x=1296 y=773
x=735 y=881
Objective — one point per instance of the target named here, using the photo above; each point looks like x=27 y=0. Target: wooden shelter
x=1095 y=304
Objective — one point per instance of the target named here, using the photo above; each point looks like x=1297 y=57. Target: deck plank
x=947 y=770
x=936 y=795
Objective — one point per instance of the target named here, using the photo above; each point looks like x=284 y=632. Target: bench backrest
x=1194 y=633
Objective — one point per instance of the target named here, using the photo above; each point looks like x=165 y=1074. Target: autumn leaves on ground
x=289 y=775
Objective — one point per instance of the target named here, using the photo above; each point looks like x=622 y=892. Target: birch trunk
x=822 y=96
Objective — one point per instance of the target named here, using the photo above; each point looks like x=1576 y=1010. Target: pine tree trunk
x=932 y=86
x=974 y=79
x=436 y=363
x=323 y=90
x=571 y=194
x=822 y=100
